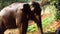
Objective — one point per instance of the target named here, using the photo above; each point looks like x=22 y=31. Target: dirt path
x=45 y=16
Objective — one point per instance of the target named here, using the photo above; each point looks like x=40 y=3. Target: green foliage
x=32 y=28
x=52 y=29
x=58 y=15
x=48 y=21
x=57 y=5
x=4 y=3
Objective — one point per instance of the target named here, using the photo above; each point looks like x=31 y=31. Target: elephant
x=17 y=15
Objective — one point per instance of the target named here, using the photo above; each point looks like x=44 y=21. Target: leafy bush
x=32 y=28
x=48 y=21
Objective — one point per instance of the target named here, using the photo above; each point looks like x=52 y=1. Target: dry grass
x=12 y=31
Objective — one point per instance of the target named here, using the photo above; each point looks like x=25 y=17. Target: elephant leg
x=24 y=27
x=2 y=29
